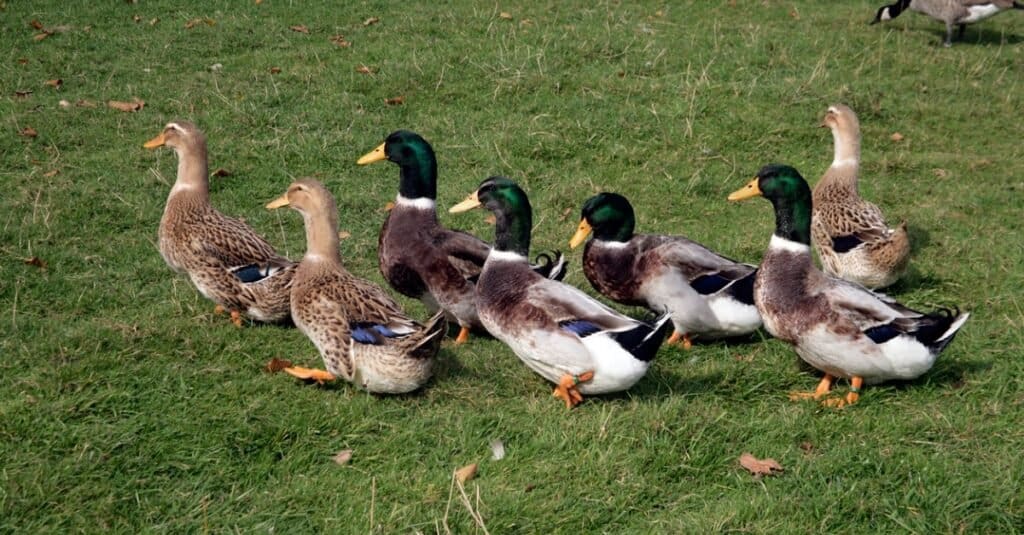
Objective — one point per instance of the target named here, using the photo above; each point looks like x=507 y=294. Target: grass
x=126 y=406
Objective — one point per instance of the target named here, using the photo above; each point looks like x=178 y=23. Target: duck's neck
x=847 y=148
x=512 y=231
x=418 y=178
x=793 y=217
x=322 y=245
x=192 y=176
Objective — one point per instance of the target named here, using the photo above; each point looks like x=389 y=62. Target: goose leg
x=566 y=389
x=821 y=391
x=949 y=35
x=320 y=376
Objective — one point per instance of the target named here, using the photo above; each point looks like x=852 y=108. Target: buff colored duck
x=227 y=261
x=361 y=332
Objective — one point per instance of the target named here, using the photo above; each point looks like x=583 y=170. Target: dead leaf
x=137 y=18
x=197 y=21
x=55 y=83
x=941 y=173
x=343 y=457
x=530 y=487
x=363 y=69
x=28 y=131
x=51 y=174
x=275 y=365
x=340 y=41
x=275 y=70
x=344 y=234
x=466 y=473
x=133 y=106
x=794 y=14
x=371 y=21
x=35 y=261
x=491 y=219
x=36 y=24
x=40 y=36
x=258 y=2
x=64 y=104
x=22 y=61
x=221 y=173
x=759 y=467
x=301 y=28
x=388 y=206
x=565 y=214
x=82 y=103
x=505 y=15
x=497 y=449
x=807 y=447
x=23 y=93
x=896 y=136
x=395 y=101
x=153 y=21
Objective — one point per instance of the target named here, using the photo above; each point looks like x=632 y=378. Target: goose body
x=952 y=13
x=226 y=260
x=418 y=256
x=558 y=331
x=853 y=240
x=836 y=326
x=362 y=334
x=706 y=294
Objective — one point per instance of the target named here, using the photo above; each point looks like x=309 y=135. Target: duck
x=558 y=331
x=227 y=261
x=951 y=12
x=708 y=295
x=838 y=327
x=418 y=256
x=853 y=240
x=362 y=334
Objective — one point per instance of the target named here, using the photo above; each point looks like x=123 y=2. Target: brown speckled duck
x=362 y=334
x=227 y=260
x=707 y=294
x=851 y=235
x=563 y=334
x=418 y=256
x=838 y=327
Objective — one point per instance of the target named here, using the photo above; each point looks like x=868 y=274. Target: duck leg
x=851 y=397
x=236 y=316
x=687 y=341
x=320 y=376
x=567 y=391
x=819 y=392
x=463 y=336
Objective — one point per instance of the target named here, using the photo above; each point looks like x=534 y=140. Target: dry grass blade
x=370 y=21
x=133 y=106
x=300 y=28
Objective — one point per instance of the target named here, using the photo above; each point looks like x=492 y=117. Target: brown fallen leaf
x=941 y=173
x=342 y=457
x=370 y=21
x=807 y=447
x=505 y=15
x=275 y=365
x=153 y=21
x=22 y=61
x=395 y=101
x=258 y=2
x=530 y=487
x=340 y=41
x=63 y=103
x=301 y=28
x=197 y=21
x=35 y=261
x=344 y=234
x=565 y=214
x=51 y=174
x=137 y=18
x=491 y=219
x=28 y=131
x=82 y=103
x=221 y=173
x=55 y=83
x=36 y=24
x=466 y=473
x=759 y=467
x=23 y=93
x=133 y=106
x=896 y=136
x=275 y=70
x=41 y=36
x=363 y=69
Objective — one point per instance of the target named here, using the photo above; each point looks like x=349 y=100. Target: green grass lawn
x=126 y=405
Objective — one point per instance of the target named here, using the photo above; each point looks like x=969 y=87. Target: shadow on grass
x=977 y=35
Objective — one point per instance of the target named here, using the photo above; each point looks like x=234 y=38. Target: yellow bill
x=278 y=202
x=374 y=155
x=582 y=232
x=470 y=203
x=158 y=141
x=746 y=192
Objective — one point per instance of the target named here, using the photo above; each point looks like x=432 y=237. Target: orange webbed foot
x=320 y=376
x=236 y=318
x=821 y=391
x=463 y=336
x=684 y=340
x=566 y=389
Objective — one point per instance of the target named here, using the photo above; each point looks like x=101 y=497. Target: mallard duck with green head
x=418 y=256
x=566 y=336
x=708 y=295
x=361 y=332
x=227 y=261
x=836 y=326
